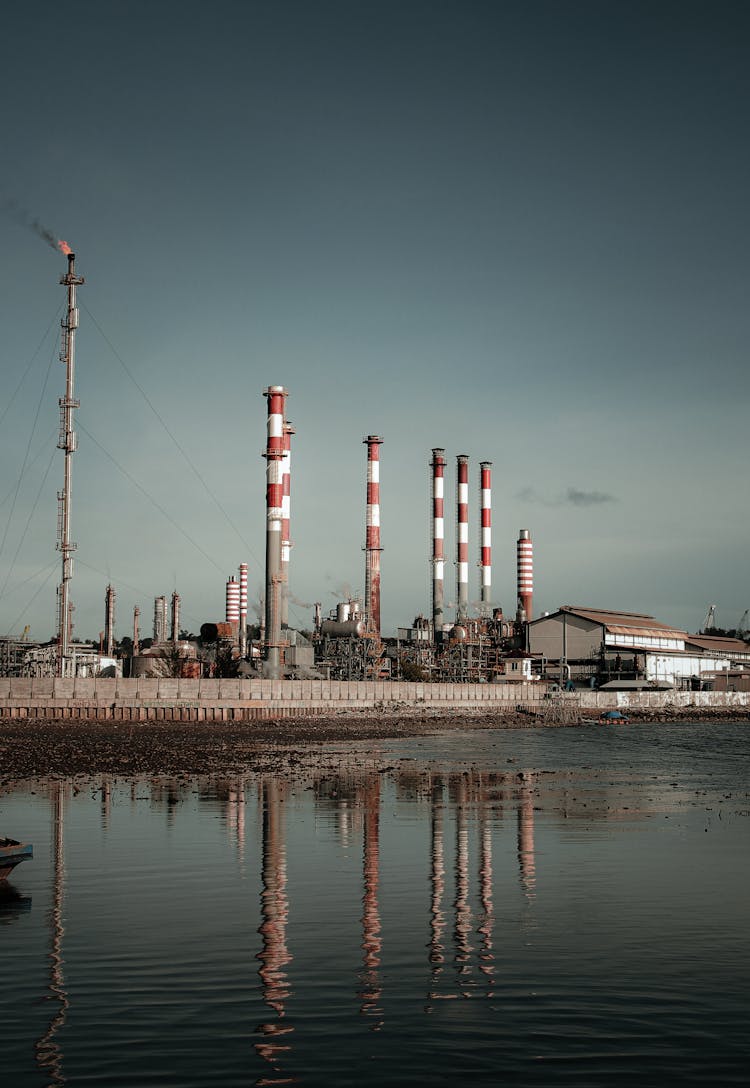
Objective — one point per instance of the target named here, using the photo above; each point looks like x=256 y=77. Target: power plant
x=481 y=644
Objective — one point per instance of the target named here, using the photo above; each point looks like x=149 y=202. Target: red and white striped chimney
x=438 y=541
x=286 y=496
x=525 y=556
x=485 y=543
x=243 y=608
x=462 y=538
x=232 y=613
x=372 y=535
x=274 y=455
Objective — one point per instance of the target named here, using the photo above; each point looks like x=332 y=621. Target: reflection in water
x=274 y=955
x=526 y=862
x=48 y=1052
x=235 y=815
x=12 y=904
x=463 y=922
x=486 y=957
x=371 y=989
x=437 y=918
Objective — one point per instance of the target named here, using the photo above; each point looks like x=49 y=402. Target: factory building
x=606 y=647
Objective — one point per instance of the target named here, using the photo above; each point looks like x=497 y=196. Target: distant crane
x=710 y=620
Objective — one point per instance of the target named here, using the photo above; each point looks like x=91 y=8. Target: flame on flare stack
x=64 y=248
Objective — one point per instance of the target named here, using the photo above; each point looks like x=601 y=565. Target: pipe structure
x=286 y=499
x=525 y=556
x=462 y=538
x=160 y=619
x=372 y=535
x=175 y=625
x=232 y=608
x=485 y=543
x=274 y=455
x=109 y=620
x=438 y=541
x=243 y=608
x=67 y=442
x=136 y=631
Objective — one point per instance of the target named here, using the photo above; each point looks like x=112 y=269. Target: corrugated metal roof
x=646 y=632
x=628 y=622
x=721 y=643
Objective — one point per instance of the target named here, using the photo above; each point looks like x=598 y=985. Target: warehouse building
x=598 y=646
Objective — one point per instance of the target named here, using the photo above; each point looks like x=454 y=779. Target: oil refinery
x=477 y=643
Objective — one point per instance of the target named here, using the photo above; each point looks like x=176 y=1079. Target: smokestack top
x=485 y=464
x=373 y=438
x=524 y=534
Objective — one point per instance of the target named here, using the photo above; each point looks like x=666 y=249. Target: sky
x=518 y=231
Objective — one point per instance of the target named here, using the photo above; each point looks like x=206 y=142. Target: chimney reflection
x=371 y=941
x=437 y=918
x=274 y=955
x=235 y=815
x=48 y=1052
x=526 y=862
x=486 y=958
x=463 y=921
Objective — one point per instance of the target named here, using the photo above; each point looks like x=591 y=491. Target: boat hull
x=12 y=853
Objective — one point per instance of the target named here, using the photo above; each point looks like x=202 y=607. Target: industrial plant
x=574 y=646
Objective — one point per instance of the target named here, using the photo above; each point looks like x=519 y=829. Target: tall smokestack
x=243 y=608
x=136 y=631
x=485 y=543
x=66 y=442
x=286 y=499
x=232 y=609
x=160 y=619
x=462 y=538
x=525 y=555
x=109 y=620
x=274 y=455
x=175 y=626
x=372 y=535
x=438 y=541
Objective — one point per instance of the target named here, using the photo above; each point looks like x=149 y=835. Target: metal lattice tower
x=67 y=442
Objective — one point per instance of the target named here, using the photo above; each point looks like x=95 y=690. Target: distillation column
x=462 y=538
x=109 y=620
x=372 y=535
x=485 y=543
x=175 y=623
x=274 y=455
x=67 y=442
x=232 y=606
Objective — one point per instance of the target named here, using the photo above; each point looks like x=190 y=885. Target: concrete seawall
x=248 y=700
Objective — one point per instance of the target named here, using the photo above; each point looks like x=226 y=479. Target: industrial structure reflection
x=48 y=1050
x=371 y=986
x=274 y=954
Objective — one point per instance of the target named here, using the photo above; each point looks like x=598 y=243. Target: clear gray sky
x=515 y=230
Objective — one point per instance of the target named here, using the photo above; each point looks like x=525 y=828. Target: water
x=524 y=907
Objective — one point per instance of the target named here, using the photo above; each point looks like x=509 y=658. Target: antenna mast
x=68 y=443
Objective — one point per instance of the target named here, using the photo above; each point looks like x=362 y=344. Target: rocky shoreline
x=44 y=747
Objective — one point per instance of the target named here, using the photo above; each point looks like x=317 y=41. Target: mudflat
x=47 y=747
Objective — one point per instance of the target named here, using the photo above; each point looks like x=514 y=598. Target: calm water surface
x=530 y=907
